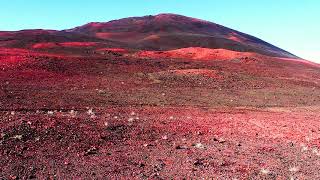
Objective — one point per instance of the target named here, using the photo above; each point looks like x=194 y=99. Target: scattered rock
x=199 y=162
x=182 y=147
x=221 y=140
x=199 y=133
x=73 y=113
x=199 y=146
x=316 y=151
x=91 y=151
x=19 y=137
x=131 y=120
x=293 y=169
x=50 y=113
x=165 y=137
x=264 y=171
x=304 y=148
x=101 y=91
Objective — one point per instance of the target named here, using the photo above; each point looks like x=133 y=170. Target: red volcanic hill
x=161 y=32
x=170 y=31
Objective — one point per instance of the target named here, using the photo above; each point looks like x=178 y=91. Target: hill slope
x=170 y=31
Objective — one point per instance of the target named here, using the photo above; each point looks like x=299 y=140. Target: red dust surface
x=116 y=50
x=108 y=116
x=116 y=36
x=45 y=45
x=195 y=72
x=103 y=109
x=79 y=44
x=65 y=44
x=196 y=53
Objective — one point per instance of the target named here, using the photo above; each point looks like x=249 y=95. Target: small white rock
x=316 y=151
x=131 y=119
x=293 y=169
x=90 y=111
x=73 y=113
x=50 y=112
x=165 y=137
x=17 y=137
x=304 y=148
x=199 y=146
x=106 y=124
x=101 y=91
x=264 y=171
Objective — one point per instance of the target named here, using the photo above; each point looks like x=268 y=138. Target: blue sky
x=289 y=24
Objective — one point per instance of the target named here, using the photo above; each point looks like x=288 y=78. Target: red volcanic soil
x=195 y=72
x=45 y=45
x=65 y=44
x=76 y=107
x=196 y=53
x=115 y=35
x=152 y=143
x=163 y=117
x=78 y=44
x=116 y=50
x=234 y=38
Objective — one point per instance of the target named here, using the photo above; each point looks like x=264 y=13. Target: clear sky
x=293 y=25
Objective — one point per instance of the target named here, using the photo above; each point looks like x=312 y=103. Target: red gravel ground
x=111 y=114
